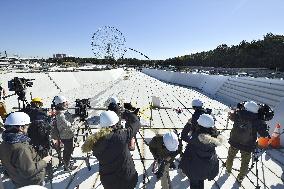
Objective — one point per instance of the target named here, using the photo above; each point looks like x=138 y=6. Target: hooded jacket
x=110 y=146
x=22 y=163
x=199 y=161
x=251 y=125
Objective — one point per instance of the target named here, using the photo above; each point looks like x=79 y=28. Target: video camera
x=19 y=85
x=265 y=113
x=208 y=111
x=81 y=108
x=128 y=106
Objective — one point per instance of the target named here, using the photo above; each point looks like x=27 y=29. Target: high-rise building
x=59 y=55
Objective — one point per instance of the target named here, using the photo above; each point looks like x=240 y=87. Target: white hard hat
x=251 y=107
x=171 y=141
x=33 y=187
x=59 y=99
x=205 y=120
x=197 y=103
x=108 y=118
x=18 y=118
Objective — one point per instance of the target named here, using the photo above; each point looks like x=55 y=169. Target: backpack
x=242 y=133
x=39 y=129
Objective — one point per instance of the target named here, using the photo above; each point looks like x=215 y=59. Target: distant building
x=59 y=55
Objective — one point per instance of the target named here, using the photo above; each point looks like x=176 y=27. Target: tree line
x=265 y=53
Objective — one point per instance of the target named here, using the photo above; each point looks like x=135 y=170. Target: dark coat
x=197 y=113
x=159 y=151
x=199 y=161
x=192 y=124
x=247 y=141
x=22 y=164
x=116 y=166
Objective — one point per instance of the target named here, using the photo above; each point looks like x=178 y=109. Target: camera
x=265 y=113
x=81 y=108
x=19 y=85
x=129 y=107
x=241 y=105
x=208 y=111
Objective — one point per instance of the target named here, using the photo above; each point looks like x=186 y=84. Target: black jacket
x=245 y=138
x=198 y=112
x=117 y=168
x=192 y=123
x=159 y=150
x=199 y=161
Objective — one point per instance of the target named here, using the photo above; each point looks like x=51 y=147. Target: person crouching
x=18 y=157
x=110 y=147
x=199 y=161
x=164 y=149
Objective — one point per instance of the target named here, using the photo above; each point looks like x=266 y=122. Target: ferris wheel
x=108 y=43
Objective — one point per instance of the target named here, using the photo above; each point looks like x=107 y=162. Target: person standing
x=164 y=149
x=243 y=135
x=19 y=159
x=191 y=125
x=199 y=161
x=39 y=129
x=66 y=127
x=110 y=146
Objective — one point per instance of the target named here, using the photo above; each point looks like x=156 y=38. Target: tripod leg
x=142 y=161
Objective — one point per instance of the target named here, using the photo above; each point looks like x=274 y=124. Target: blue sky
x=159 y=28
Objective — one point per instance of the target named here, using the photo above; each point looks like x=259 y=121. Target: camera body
x=19 y=84
x=81 y=108
x=265 y=113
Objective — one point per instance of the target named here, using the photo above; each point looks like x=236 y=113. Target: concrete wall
x=231 y=90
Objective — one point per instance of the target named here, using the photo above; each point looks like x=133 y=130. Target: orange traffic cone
x=275 y=138
x=263 y=142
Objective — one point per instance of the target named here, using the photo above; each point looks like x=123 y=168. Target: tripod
x=145 y=175
x=87 y=127
x=255 y=161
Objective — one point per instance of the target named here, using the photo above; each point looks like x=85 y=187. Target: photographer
x=164 y=149
x=191 y=125
x=64 y=123
x=247 y=124
x=110 y=146
x=39 y=129
x=21 y=162
x=113 y=104
x=199 y=161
